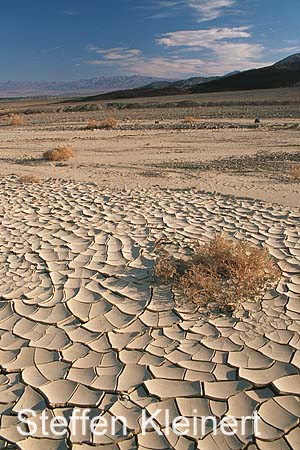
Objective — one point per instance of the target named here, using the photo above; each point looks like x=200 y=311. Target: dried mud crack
x=81 y=324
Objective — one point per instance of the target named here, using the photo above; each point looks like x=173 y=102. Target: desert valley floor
x=83 y=322
x=221 y=150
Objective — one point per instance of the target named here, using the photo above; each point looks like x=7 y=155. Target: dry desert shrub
x=108 y=123
x=60 y=153
x=295 y=173
x=30 y=179
x=220 y=274
x=166 y=269
x=190 y=119
x=16 y=119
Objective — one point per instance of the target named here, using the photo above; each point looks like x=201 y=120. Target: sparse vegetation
x=16 y=119
x=190 y=119
x=220 y=274
x=108 y=123
x=295 y=173
x=60 y=153
x=30 y=179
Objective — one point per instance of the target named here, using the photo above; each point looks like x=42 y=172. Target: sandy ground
x=142 y=153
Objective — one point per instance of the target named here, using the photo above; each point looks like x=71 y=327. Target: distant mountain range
x=78 y=87
x=285 y=73
x=154 y=89
x=179 y=83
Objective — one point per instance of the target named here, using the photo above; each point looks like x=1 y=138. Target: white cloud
x=237 y=53
x=162 y=15
x=155 y=66
x=167 y=3
x=116 y=53
x=291 y=41
x=202 y=38
x=204 y=10
x=217 y=51
x=294 y=49
x=167 y=67
x=226 y=49
x=210 y=9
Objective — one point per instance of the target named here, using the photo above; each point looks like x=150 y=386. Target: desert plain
x=83 y=324
x=223 y=150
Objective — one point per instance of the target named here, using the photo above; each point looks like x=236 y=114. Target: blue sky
x=73 y=39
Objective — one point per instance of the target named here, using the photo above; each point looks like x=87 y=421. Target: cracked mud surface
x=82 y=325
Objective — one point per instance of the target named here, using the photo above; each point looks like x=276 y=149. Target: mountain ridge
x=284 y=73
x=291 y=61
x=76 y=87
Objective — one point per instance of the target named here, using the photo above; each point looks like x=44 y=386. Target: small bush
x=220 y=274
x=295 y=173
x=30 y=179
x=108 y=123
x=190 y=119
x=166 y=269
x=16 y=119
x=61 y=153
